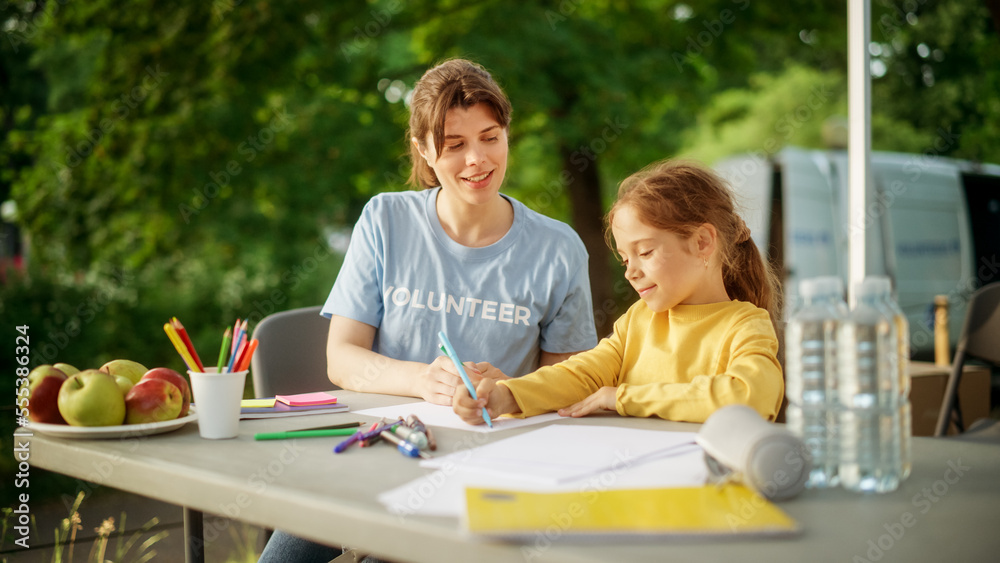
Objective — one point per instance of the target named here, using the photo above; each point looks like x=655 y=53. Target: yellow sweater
x=681 y=364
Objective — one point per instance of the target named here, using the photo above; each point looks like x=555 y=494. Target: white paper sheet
x=563 y=452
x=442 y=493
x=440 y=415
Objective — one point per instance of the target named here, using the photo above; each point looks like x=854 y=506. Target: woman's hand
x=487 y=369
x=439 y=379
x=602 y=399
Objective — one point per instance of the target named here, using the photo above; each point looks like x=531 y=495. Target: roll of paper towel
x=764 y=456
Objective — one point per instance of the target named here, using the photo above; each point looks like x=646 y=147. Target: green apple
x=128 y=368
x=124 y=383
x=43 y=394
x=66 y=368
x=92 y=398
x=152 y=400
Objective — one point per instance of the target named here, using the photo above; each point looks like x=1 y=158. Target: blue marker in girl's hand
x=461 y=372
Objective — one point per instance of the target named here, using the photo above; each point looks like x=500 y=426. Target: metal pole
x=859 y=145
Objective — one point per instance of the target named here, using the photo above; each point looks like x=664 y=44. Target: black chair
x=980 y=339
x=291 y=356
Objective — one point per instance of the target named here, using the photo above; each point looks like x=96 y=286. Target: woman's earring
x=706 y=262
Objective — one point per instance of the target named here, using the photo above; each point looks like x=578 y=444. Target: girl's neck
x=474 y=226
x=711 y=290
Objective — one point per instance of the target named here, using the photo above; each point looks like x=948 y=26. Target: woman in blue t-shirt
x=508 y=285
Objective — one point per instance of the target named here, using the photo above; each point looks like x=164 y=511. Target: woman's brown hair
x=453 y=83
x=679 y=196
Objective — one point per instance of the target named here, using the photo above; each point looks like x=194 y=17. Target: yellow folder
x=710 y=510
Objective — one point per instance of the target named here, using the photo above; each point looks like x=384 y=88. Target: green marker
x=305 y=433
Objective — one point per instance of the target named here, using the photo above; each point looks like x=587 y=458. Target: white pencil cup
x=217 y=399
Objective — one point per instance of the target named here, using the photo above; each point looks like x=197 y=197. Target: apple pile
x=120 y=392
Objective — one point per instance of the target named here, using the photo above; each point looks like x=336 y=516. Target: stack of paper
x=442 y=416
x=560 y=453
x=591 y=481
x=676 y=461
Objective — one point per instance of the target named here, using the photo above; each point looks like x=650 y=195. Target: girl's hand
x=439 y=380
x=469 y=410
x=602 y=399
x=487 y=369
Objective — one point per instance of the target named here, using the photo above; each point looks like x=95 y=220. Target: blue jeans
x=286 y=548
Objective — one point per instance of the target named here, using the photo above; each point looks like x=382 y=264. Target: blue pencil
x=461 y=372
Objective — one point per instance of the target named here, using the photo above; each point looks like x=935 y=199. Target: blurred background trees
x=207 y=159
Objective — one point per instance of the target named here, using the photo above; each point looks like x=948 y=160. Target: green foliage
x=790 y=108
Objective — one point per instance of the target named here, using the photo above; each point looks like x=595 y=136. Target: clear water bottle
x=868 y=392
x=811 y=374
x=884 y=287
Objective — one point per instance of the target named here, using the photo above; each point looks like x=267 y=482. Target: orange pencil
x=244 y=362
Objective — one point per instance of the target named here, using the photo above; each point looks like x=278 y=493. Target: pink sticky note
x=302 y=399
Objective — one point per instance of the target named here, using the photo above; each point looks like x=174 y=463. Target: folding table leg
x=194 y=543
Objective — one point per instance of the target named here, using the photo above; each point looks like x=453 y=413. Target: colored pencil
x=232 y=361
x=243 y=363
x=187 y=343
x=175 y=339
x=223 y=352
x=236 y=336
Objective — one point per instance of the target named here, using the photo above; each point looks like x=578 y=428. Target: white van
x=933 y=225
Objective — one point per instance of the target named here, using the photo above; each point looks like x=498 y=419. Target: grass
x=113 y=544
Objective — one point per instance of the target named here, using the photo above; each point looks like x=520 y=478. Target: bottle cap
x=875 y=286
x=821 y=286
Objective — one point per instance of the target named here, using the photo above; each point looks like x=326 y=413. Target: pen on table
x=370 y=434
x=405 y=447
x=461 y=372
x=333 y=427
x=304 y=434
x=415 y=423
x=339 y=448
x=362 y=435
x=412 y=435
x=357 y=436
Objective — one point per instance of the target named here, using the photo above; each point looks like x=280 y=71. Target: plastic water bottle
x=811 y=374
x=884 y=287
x=868 y=391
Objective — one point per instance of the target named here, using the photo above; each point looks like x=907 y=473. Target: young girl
x=700 y=337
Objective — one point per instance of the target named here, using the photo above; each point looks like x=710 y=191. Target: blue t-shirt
x=500 y=303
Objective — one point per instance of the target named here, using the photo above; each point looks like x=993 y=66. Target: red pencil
x=187 y=342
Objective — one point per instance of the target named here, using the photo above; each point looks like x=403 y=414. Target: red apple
x=153 y=400
x=43 y=394
x=175 y=378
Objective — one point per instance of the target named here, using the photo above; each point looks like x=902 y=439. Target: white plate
x=121 y=431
